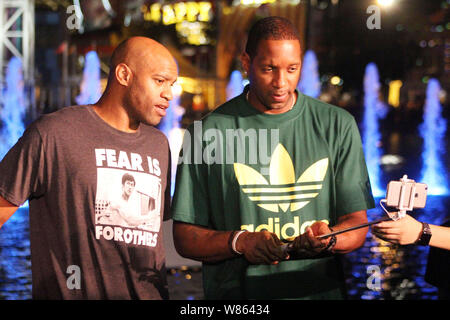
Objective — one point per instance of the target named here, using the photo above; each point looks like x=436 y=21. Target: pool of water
x=401 y=268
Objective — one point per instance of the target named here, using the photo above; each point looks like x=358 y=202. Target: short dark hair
x=270 y=28
x=127 y=177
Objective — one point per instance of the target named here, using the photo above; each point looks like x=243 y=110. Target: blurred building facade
x=207 y=38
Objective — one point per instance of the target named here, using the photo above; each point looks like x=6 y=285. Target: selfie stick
x=402 y=209
x=391 y=215
x=324 y=236
x=288 y=246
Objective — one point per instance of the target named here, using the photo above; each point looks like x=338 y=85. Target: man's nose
x=167 y=93
x=279 y=79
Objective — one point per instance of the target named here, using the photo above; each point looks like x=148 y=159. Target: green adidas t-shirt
x=243 y=169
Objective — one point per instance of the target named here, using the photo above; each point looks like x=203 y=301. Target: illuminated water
x=402 y=267
x=374 y=109
x=432 y=131
x=309 y=79
x=15 y=264
x=12 y=107
x=90 y=88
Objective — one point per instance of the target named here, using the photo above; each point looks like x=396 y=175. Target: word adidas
x=286 y=231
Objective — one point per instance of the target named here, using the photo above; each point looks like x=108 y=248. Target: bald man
x=70 y=164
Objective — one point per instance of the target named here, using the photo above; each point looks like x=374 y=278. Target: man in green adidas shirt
x=269 y=167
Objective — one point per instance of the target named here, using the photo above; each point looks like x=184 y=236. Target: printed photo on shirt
x=128 y=199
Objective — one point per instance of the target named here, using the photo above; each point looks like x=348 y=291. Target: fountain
x=374 y=109
x=12 y=107
x=235 y=85
x=309 y=83
x=432 y=131
x=90 y=88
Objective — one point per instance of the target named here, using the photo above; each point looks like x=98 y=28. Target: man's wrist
x=233 y=242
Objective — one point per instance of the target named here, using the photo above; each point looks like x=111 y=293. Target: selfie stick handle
x=402 y=209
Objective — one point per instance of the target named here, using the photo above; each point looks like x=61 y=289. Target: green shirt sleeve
x=190 y=202
x=353 y=190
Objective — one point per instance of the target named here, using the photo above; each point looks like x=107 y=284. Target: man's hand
x=261 y=247
x=307 y=245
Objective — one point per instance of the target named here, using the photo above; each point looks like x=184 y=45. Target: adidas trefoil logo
x=283 y=191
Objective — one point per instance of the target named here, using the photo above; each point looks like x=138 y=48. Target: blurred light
x=391 y=159
x=197 y=99
x=323 y=5
x=432 y=130
x=255 y=2
x=423 y=43
x=335 y=80
x=324 y=78
x=179 y=12
x=425 y=79
x=108 y=7
x=394 y=93
x=177 y=89
x=127 y=20
x=189 y=85
x=205 y=9
x=193 y=32
x=168 y=15
x=399 y=27
x=385 y=3
x=79 y=14
x=431 y=43
x=439 y=28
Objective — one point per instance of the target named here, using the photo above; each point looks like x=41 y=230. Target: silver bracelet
x=233 y=244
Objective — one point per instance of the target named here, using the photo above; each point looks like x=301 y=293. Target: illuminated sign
x=260 y=2
x=190 y=18
x=178 y=12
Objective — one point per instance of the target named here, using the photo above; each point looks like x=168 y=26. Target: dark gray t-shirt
x=98 y=197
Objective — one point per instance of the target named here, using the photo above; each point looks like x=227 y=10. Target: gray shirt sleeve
x=22 y=169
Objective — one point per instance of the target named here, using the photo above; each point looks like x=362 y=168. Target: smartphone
x=413 y=191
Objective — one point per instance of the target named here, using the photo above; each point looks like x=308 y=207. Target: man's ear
x=123 y=74
x=245 y=60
